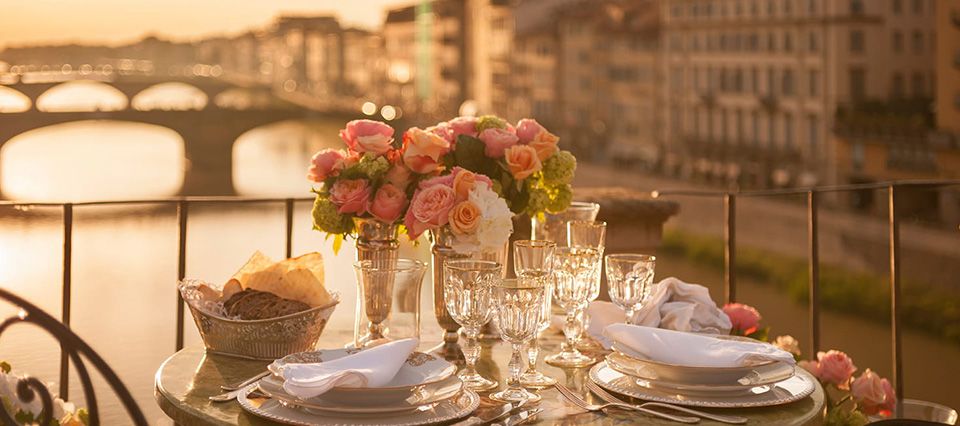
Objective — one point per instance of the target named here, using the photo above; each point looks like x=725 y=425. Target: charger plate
x=418 y=397
x=706 y=382
x=797 y=387
x=444 y=411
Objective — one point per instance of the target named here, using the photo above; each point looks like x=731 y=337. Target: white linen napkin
x=689 y=349
x=676 y=305
x=372 y=367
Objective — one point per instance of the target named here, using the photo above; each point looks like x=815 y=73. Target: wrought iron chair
x=73 y=346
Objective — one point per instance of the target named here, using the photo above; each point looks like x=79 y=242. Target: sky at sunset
x=118 y=21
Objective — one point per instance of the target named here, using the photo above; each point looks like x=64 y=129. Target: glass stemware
x=588 y=233
x=574 y=269
x=630 y=277
x=519 y=306
x=553 y=226
x=467 y=293
x=388 y=303
x=533 y=260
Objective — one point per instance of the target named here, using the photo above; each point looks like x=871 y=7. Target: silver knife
x=520 y=418
x=489 y=418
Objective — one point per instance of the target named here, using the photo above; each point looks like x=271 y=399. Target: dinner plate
x=450 y=409
x=795 y=388
x=758 y=374
x=707 y=381
x=420 y=369
x=418 y=397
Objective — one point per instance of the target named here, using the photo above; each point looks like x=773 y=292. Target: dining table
x=186 y=380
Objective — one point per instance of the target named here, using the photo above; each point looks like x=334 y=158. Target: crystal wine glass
x=467 y=293
x=588 y=233
x=533 y=259
x=630 y=277
x=574 y=269
x=519 y=306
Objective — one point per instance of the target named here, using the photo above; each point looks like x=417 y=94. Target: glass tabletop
x=187 y=378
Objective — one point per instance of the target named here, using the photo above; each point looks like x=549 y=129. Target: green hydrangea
x=490 y=122
x=327 y=219
x=559 y=168
x=561 y=199
x=539 y=199
x=373 y=167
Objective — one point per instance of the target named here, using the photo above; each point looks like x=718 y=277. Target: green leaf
x=84 y=416
x=337 y=243
x=469 y=155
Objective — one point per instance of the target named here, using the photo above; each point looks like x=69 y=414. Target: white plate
x=419 y=370
x=420 y=396
x=445 y=411
x=707 y=381
x=801 y=385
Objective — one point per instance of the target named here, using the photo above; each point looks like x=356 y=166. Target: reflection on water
x=89 y=160
x=82 y=96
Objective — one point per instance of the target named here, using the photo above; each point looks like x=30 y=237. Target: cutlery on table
x=580 y=402
x=608 y=397
x=232 y=395
x=520 y=418
x=244 y=383
x=498 y=414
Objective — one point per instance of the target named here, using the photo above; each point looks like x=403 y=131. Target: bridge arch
x=80 y=96
x=93 y=159
x=170 y=96
x=12 y=100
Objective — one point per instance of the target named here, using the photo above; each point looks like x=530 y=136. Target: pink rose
x=527 y=129
x=744 y=318
x=835 y=367
x=429 y=209
x=388 y=203
x=399 y=176
x=326 y=163
x=422 y=150
x=351 y=195
x=463 y=126
x=522 y=161
x=868 y=391
x=497 y=141
x=811 y=366
x=367 y=136
x=890 y=398
x=444 y=131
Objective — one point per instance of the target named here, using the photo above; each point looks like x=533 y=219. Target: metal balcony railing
x=729 y=201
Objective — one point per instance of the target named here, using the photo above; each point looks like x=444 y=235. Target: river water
x=124 y=263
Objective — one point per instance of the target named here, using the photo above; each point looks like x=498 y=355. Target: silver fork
x=579 y=402
x=244 y=383
x=607 y=396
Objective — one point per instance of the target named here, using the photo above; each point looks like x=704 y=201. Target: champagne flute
x=573 y=270
x=533 y=259
x=630 y=277
x=588 y=233
x=467 y=293
x=519 y=306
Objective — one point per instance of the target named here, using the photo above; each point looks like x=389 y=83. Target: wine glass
x=630 y=277
x=467 y=293
x=588 y=233
x=574 y=269
x=533 y=259
x=519 y=306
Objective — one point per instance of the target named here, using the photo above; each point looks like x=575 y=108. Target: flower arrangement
x=466 y=204
x=379 y=177
x=859 y=397
x=28 y=413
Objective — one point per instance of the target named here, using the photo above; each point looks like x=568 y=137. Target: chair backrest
x=77 y=350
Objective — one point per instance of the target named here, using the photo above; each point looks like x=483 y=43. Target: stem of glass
x=516 y=367
x=629 y=310
x=533 y=352
x=471 y=351
x=572 y=329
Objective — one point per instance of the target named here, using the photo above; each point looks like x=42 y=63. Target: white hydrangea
x=496 y=223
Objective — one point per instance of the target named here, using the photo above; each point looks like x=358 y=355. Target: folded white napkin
x=372 y=367
x=689 y=349
x=676 y=305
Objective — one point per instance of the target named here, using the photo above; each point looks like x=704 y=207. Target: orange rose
x=546 y=144
x=463 y=183
x=464 y=218
x=522 y=160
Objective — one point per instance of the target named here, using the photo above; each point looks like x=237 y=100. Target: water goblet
x=630 y=277
x=533 y=259
x=467 y=294
x=588 y=233
x=388 y=300
x=553 y=226
x=573 y=269
x=519 y=306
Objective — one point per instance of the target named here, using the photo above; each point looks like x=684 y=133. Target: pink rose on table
x=744 y=318
x=367 y=136
x=890 y=398
x=868 y=391
x=429 y=209
x=444 y=131
x=398 y=175
x=788 y=343
x=497 y=141
x=388 y=203
x=522 y=161
x=463 y=126
x=464 y=218
x=811 y=366
x=326 y=163
x=835 y=367
x=422 y=150
x=351 y=195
